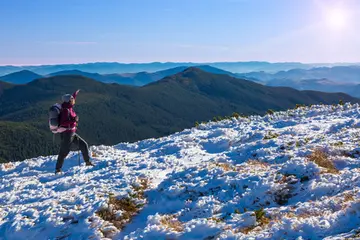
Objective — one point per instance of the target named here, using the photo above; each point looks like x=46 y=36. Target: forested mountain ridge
x=113 y=113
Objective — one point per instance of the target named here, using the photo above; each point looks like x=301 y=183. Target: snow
x=208 y=182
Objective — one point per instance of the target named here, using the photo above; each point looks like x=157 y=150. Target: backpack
x=54 y=118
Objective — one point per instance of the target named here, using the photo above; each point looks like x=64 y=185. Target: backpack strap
x=68 y=110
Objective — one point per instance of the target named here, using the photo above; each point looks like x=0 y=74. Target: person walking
x=68 y=123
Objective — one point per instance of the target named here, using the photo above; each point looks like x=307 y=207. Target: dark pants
x=71 y=141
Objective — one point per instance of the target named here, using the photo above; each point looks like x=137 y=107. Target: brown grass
x=245 y=230
x=140 y=188
x=322 y=159
x=172 y=223
x=8 y=165
x=257 y=163
x=338 y=144
x=305 y=215
x=261 y=220
x=127 y=205
x=289 y=215
x=226 y=167
x=348 y=197
x=217 y=220
x=270 y=135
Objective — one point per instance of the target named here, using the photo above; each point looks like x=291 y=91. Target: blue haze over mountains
x=320 y=77
x=114 y=67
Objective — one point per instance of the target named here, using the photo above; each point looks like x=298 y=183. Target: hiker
x=68 y=123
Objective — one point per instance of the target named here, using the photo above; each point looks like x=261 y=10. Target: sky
x=79 y=31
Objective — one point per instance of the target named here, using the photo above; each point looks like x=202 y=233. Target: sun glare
x=336 y=18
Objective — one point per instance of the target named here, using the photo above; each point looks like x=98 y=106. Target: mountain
x=140 y=78
x=210 y=69
x=95 y=76
x=144 y=78
x=344 y=74
x=20 y=77
x=335 y=79
x=111 y=113
x=290 y=175
x=323 y=85
x=114 y=67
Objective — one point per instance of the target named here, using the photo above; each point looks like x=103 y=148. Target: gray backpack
x=54 y=118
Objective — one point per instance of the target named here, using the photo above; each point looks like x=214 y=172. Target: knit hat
x=67 y=97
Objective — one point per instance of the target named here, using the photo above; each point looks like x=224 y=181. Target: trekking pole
x=78 y=150
x=53 y=145
x=78 y=139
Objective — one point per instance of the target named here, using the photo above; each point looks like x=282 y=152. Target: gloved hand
x=77 y=119
x=76 y=93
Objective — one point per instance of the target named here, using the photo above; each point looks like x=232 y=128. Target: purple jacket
x=68 y=115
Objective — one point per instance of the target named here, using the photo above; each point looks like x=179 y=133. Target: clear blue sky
x=76 y=31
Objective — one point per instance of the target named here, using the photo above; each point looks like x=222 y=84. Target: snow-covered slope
x=245 y=178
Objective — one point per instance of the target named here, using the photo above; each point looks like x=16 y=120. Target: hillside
x=5 y=85
x=111 y=113
x=290 y=175
x=21 y=140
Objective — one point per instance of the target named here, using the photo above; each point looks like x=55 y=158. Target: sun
x=336 y=18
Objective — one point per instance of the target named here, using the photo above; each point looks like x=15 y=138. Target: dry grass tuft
x=348 y=197
x=226 y=167
x=171 y=222
x=270 y=135
x=257 y=163
x=216 y=219
x=289 y=215
x=305 y=215
x=261 y=219
x=139 y=188
x=245 y=230
x=128 y=207
x=337 y=144
x=8 y=166
x=322 y=159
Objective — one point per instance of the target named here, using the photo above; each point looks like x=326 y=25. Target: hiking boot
x=58 y=171
x=89 y=164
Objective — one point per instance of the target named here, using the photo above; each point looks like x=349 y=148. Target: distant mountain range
x=327 y=79
x=113 y=67
x=344 y=74
x=134 y=79
x=112 y=113
x=323 y=85
x=334 y=79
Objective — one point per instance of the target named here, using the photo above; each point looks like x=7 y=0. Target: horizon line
x=160 y=62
